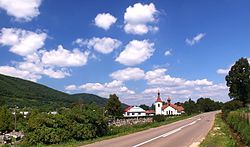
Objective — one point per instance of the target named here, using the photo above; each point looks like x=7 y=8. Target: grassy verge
x=219 y=135
x=124 y=130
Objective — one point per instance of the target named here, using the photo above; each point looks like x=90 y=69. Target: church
x=167 y=108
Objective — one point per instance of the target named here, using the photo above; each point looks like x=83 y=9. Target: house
x=135 y=111
x=167 y=108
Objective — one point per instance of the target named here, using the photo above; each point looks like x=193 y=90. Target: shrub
x=230 y=106
x=239 y=124
x=159 y=118
x=78 y=123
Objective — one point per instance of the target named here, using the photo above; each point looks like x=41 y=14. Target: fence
x=245 y=116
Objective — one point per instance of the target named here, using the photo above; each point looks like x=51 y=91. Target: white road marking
x=167 y=134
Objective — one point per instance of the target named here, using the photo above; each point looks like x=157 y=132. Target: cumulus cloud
x=65 y=58
x=104 y=89
x=103 y=45
x=22 y=42
x=71 y=87
x=22 y=10
x=57 y=74
x=136 y=52
x=104 y=20
x=128 y=74
x=168 y=52
x=138 y=18
x=158 y=77
x=15 y=72
x=195 y=39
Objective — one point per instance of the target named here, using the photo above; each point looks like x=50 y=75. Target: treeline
x=201 y=105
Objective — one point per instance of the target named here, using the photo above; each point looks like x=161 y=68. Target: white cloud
x=158 y=77
x=64 y=58
x=138 y=17
x=168 y=53
x=136 y=52
x=222 y=71
x=22 y=10
x=57 y=74
x=22 y=42
x=104 y=20
x=15 y=72
x=103 y=45
x=71 y=87
x=195 y=39
x=128 y=74
x=106 y=89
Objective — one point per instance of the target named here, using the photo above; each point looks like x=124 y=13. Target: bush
x=230 y=106
x=159 y=118
x=78 y=123
x=239 y=124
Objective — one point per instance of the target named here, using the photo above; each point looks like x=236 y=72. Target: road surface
x=184 y=133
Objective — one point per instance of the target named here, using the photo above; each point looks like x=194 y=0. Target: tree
x=190 y=107
x=145 y=107
x=207 y=104
x=6 y=120
x=238 y=81
x=113 y=106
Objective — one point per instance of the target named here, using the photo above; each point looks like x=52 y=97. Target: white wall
x=170 y=111
x=158 y=108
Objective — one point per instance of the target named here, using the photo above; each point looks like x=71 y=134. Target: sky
x=184 y=49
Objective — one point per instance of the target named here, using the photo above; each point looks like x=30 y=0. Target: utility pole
x=15 y=118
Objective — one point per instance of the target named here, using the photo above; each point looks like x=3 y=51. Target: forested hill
x=23 y=93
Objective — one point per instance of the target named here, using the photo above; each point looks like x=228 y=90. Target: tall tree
x=113 y=106
x=190 y=107
x=6 y=120
x=238 y=81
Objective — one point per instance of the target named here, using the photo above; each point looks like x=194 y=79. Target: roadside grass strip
x=219 y=135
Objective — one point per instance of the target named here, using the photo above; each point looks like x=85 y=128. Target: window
x=139 y=113
x=158 y=105
x=133 y=113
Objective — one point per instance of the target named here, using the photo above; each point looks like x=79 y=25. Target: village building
x=167 y=108
x=161 y=108
x=135 y=111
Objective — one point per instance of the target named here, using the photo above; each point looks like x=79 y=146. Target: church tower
x=158 y=105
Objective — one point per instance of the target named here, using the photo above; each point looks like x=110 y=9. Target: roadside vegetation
x=125 y=130
x=239 y=120
x=219 y=135
x=235 y=113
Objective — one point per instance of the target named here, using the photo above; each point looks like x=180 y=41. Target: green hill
x=23 y=93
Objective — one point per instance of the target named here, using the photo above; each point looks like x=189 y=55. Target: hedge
x=239 y=121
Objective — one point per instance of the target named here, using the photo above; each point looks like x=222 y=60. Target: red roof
x=178 y=108
x=158 y=100
x=128 y=108
x=149 y=111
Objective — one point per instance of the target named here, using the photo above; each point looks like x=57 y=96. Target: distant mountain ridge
x=23 y=93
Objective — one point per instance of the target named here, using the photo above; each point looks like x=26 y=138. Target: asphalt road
x=184 y=133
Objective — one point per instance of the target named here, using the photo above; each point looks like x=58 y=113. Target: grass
x=124 y=130
x=219 y=135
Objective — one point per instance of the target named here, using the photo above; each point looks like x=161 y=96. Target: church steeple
x=158 y=97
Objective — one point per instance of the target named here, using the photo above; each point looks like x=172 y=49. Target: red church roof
x=178 y=108
x=158 y=99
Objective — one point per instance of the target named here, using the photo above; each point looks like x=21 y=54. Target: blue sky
x=131 y=48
